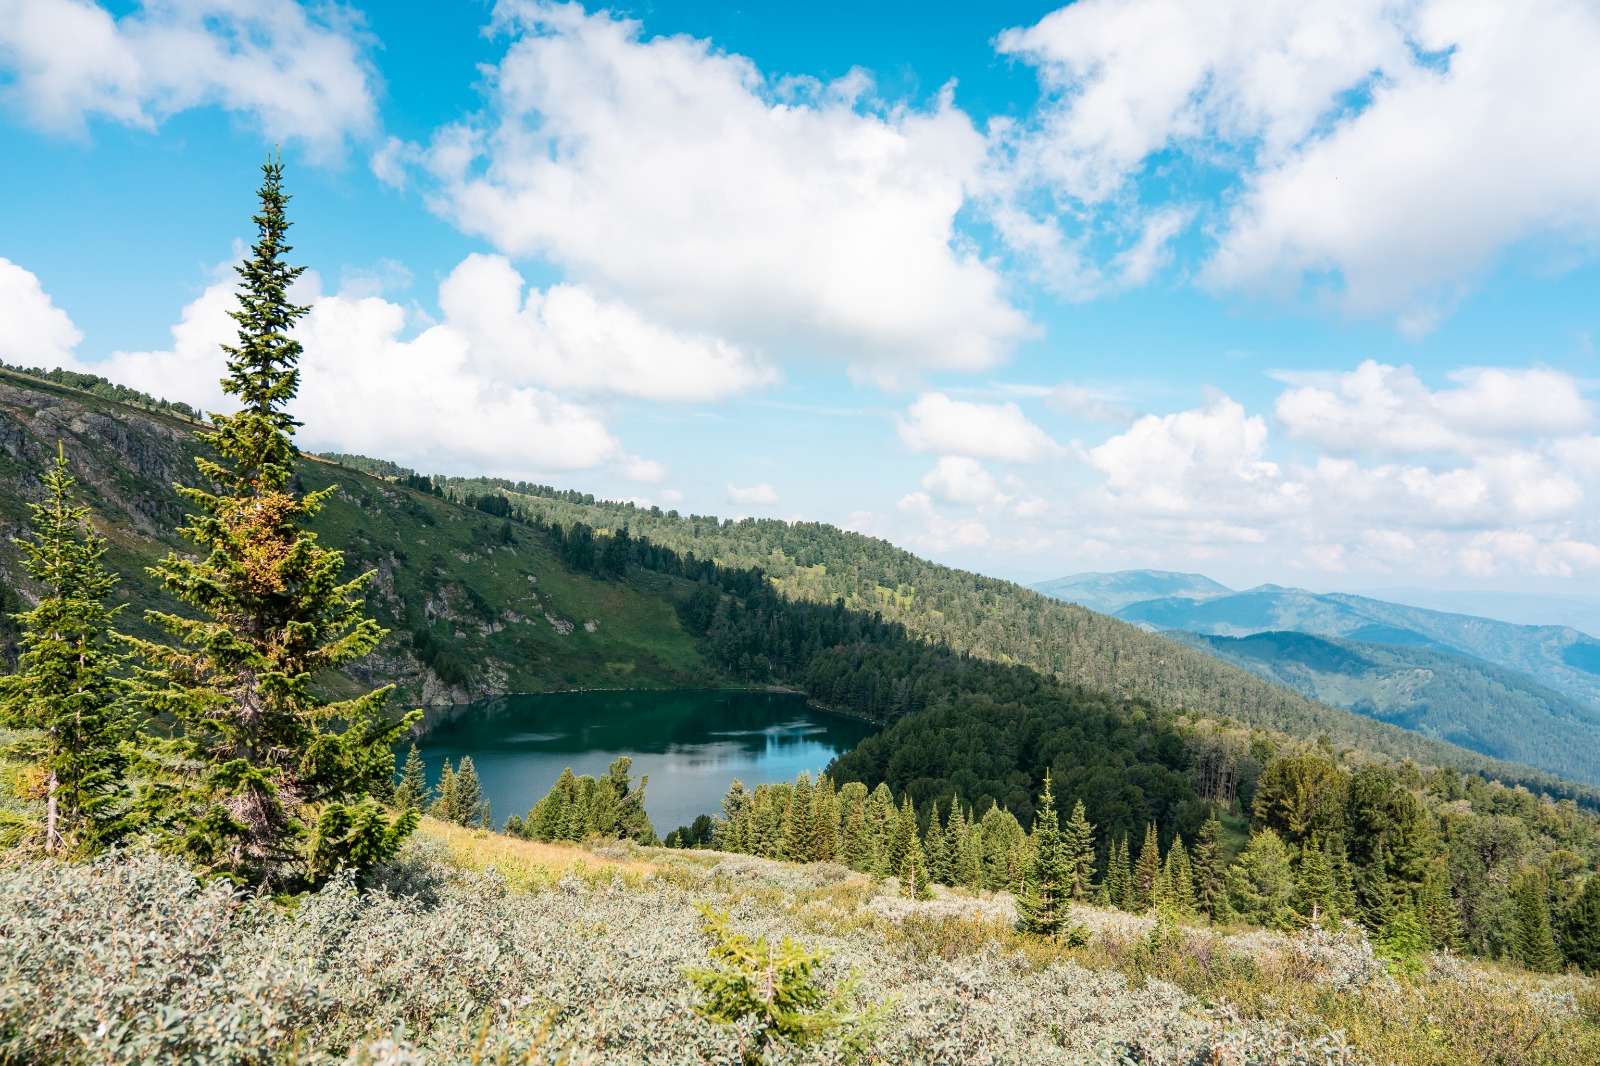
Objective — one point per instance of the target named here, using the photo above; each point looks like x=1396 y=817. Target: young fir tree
x=1315 y=894
x=1211 y=893
x=1004 y=849
x=468 y=808
x=728 y=831
x=824 y=821
x=1077 y=837
x=1580 y=932
x=1142 y=890
x=903 y=834
x=797 y=828
x=914 y=880
x=444 y=803
x=1439 y=914
x=64 y=685
x=933 y=845
x=270 y=782
x=413 y=787
x=1535 y=942
x=1119 y=878
x=1261 y=883
x=1043 y=905
x=1175 y=886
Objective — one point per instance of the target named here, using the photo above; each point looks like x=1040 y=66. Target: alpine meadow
x=364 y=655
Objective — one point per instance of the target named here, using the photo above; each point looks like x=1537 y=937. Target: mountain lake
x=692 y=744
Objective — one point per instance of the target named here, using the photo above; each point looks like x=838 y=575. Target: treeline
x=1448 y=863
x=104 y=389
x=577 y=808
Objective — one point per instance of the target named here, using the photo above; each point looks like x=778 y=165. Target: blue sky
x=1304 y=293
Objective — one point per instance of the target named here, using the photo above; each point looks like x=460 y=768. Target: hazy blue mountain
x=1557 y=656
x=1469 y=702
x=1108 y=593
x=1524 y=608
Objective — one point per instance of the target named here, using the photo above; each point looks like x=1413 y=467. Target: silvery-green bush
x=129 y=960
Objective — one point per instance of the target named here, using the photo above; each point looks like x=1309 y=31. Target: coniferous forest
x=1069 y=841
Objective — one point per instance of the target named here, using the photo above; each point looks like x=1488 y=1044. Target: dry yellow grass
x=529 y=863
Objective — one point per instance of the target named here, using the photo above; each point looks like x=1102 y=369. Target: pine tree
x=729 y=830
x=467 y=808
x=1261 y=883
x=1535 y=942
x=795 y=845
x=1439 y=914
x=270 y=782
x=1043 y=906
x=413 y=787
x=64 y=685
x=1142 y=890
x=1077 y=837
x=1405 y=937
x=1175 y=886
x=903 y=835
x=1211 y=891
x=933 y=845
x=880 y=818
x=1004 y=849
x=1119 y=878
x=855 y=847
x=824 y=822
x=914 y=880
x=1580 y=932
x=444 y=803
x=1314 y=890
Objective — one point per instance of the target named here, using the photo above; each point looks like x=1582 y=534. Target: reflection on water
x=692 y=744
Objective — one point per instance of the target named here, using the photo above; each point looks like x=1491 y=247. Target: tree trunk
x=52 y=834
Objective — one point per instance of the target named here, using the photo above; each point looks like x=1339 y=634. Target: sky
x=1293 y=292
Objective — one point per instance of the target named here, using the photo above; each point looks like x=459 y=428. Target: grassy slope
x=439 y=565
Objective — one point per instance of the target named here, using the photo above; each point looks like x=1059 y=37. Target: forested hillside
x=476 y=605
x=989 y=619
x=1474 y=704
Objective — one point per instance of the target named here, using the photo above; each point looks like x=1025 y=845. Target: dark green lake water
x=692 y=744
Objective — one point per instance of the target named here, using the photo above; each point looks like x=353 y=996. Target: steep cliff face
x=475 y=606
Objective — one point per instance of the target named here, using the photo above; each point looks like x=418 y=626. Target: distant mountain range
x=1524 y=692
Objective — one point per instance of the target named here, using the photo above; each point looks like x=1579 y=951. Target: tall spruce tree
x=1077 y=837
x=1119 y=878
x=1175 y=886
x=1043 y=905
x=1535 y=942
x=269 y=782
x=1211 y=892
x=1580 y=932
x=65 y=685
x=1142 y=890
x=413 y=787
x=934 y=846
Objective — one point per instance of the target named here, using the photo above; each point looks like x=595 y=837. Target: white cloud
x=36 y=333
x=569 y=339
x=959 y=480
x=298 y=73
x=1378 y=409
x=1091 y=405
x=439 y=400
x=789 y=216
x=762 y=493
x=1396 y=146
x=936 y=423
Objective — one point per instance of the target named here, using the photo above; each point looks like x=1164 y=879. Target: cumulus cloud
x=789 y=216
x=1397 y=147
x=36 y=333
x=936 y=423
x=762 y=493
x=468 y=393
x=297 y=72
x=959 y=480
x=1378 y=409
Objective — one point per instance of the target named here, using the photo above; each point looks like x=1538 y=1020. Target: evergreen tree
x=1535 y=943
x=1439 y=915
x=444 y=805
x=879 y=826
x=1119 y=878
x=1315 y=894
x=1374 y=894
x=269 y=781
x=1211 y=892
x=1580 y=932
x=914 y=880
x=824 y=822
x=797 y=829
x=1175 y=886
x=729 y=830
x=935 y=848
x=1142 y=890
x=966 y=848
x=1003 y=847
x=468 y=804
x=1043 y=905
x=1077 y=837
x=1406 y=936
x=855 y=845
x=1260 y=882
x=413 y=787
x=903 y=834
x=64 y=685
